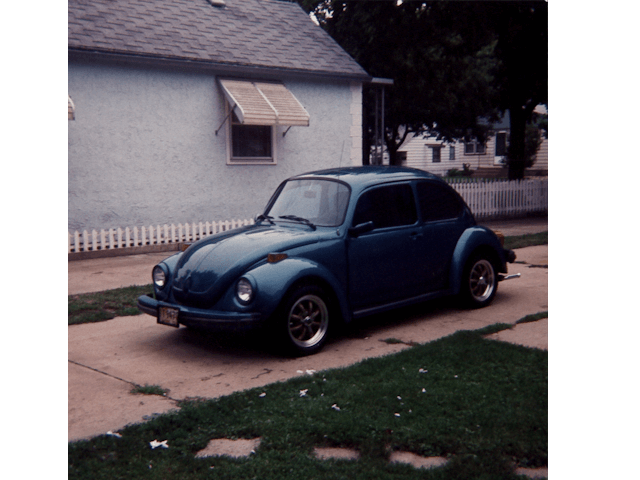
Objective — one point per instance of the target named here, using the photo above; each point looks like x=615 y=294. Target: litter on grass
x=155 y=444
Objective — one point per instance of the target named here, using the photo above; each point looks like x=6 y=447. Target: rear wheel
x=479 y=281
x=305 y=318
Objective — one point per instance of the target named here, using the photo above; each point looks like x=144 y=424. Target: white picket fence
x=118 y=238
x=486 y=199
x=501 y=198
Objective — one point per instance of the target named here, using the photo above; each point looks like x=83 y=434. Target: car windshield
x=321 y=202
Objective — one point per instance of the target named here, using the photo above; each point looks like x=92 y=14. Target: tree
x=522 y=77
x=452 y=63
x=442 y=72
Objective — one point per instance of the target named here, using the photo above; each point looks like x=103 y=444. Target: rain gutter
x=82 y=54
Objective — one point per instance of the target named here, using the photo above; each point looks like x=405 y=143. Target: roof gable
x=245 y=33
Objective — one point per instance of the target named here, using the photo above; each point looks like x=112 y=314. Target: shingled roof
x=262 y=34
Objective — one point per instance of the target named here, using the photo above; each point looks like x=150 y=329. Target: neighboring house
x=195 y=110
x=437 y=156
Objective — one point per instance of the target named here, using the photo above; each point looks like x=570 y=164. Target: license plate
x=168 y=316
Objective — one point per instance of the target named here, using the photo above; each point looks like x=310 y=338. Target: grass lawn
x=529 y=240
x=480 y=403
x=99 y=306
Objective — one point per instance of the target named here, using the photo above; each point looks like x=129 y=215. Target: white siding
x=419 y=155
x=542 y=157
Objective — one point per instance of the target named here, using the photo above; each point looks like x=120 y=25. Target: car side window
x=438 y=202
x=386 y=206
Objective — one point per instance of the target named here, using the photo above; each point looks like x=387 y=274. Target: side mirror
x=361 y=229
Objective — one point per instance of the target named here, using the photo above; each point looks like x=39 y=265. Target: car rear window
x=438 y=202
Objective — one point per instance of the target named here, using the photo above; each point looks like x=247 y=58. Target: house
x=195 y=110
x=486 y=159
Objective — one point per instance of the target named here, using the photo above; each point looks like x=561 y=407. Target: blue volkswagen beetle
x=332 y=245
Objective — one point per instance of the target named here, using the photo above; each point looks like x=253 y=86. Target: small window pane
x=452 y=152
x=501 y=144
x=389 y=206
x=251 y=141
x=469 y=147
x=435 y=154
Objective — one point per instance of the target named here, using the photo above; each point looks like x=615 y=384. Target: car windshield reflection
x=313 y=201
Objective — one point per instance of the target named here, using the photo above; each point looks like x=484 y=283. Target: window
x=255 y=109
x=452 y=153
x=501 y=144
x=388 y=206
x=473 y=147
x=435 y=154
x=322 y=202
x=438 y=202
x=251 y=143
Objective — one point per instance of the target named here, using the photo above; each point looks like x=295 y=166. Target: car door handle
x=415 y=235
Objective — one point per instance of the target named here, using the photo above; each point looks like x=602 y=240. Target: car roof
x=362 y=177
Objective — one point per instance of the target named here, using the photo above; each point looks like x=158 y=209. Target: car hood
x=208 y=267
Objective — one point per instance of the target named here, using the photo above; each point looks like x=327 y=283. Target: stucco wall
x=142 y=148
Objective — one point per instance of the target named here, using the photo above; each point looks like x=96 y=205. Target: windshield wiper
x=268 y=218
x=295 y=218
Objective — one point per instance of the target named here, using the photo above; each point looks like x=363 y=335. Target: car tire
x=304 y=320
x=479 y=281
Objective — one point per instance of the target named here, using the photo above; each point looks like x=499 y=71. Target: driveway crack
x=117 y=378
x=266 y=372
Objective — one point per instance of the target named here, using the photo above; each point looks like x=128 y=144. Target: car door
x=440 y=212
x=382 y=267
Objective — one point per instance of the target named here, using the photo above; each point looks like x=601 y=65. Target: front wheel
x=306 y=321
x=479 y=282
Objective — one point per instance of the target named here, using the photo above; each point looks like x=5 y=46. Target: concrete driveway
x=106 y=359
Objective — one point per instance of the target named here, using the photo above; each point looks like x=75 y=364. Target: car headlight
x=159 y=276
x=244 y=291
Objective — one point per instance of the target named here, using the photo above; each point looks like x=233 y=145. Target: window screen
x=388 y=206
x=251 y=141
x=435 y=156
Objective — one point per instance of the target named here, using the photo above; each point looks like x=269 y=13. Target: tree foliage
x=451 y=62
x=522 y=77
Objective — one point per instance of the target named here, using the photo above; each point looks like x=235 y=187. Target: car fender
x=169 y=267
x=273 y=280
x=471 y=240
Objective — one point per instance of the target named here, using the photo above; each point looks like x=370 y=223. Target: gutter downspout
x=379 y=84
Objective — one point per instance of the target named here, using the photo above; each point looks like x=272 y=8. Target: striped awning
x=264 y=103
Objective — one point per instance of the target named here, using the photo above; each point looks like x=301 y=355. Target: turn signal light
x=276 y=257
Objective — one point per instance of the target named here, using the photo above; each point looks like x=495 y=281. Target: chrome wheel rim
x=308 y=321
x=481 y=280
